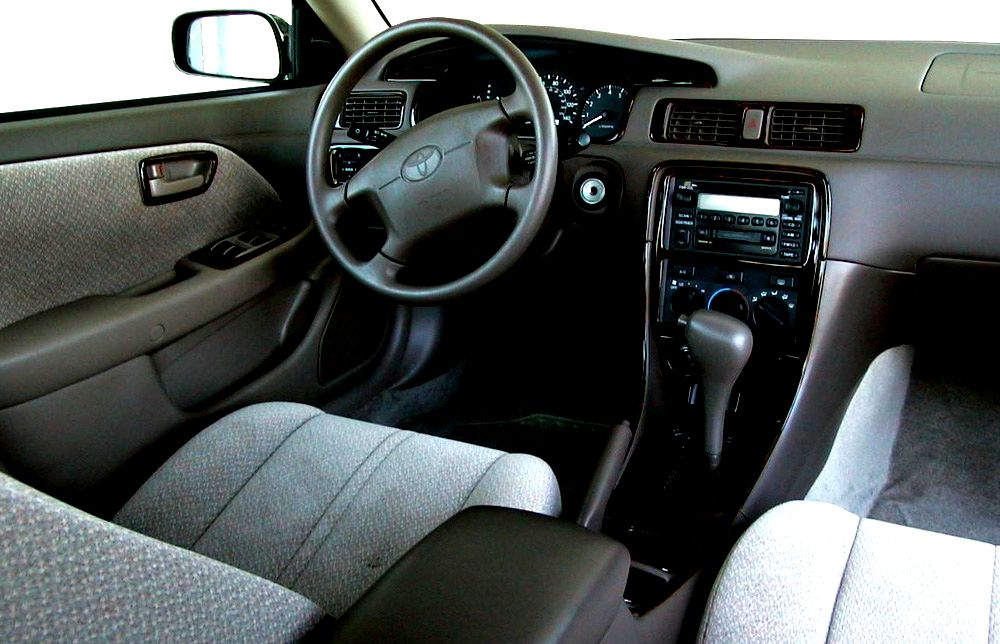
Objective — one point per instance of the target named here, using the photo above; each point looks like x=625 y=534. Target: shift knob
x=720 y=345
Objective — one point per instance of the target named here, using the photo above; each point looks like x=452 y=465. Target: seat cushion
x=67 y=575
x=812 y=572
x=322 y=504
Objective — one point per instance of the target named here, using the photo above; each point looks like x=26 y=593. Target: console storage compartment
x=504 y=574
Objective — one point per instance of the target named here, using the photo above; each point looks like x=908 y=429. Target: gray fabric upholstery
x=859 y=462
x=68 y=576
x=812 y=572
x=322 y=504
x=76 y=226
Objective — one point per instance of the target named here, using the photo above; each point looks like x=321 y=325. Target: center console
x=742 y=242
x=745 y=242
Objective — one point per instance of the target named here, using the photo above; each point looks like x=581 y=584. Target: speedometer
x=565 y=98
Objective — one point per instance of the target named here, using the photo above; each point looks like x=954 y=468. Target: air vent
x=787 y=126
x=714 y=123
x=374 y=109
x=814 y=128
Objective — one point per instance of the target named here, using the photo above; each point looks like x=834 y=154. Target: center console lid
x=497 y=574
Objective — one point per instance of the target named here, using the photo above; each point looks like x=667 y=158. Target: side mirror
x=246 y=45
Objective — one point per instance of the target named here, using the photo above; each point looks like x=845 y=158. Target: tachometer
x=565 y=98
x=604 y=112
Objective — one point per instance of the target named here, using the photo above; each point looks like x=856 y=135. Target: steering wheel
x=438 y=173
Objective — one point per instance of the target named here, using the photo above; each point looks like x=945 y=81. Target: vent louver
x=717 y=123
x=374 y=109
x=822 y=127
x=815 y=128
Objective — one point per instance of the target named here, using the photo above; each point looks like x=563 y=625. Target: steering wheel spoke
x=380 y=270
x=517 y=105
x=518 y=199
x=332 y=203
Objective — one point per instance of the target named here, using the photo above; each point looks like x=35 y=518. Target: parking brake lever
x=720 y=345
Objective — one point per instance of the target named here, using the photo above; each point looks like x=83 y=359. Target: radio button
x=790 y=244
x=793 y=207
x=791 y=234
x=772 y=223
x=729 y=219
x=683 y=271
x=743 y=220
x=684 y=198
x=684 y=216
x=768 y=238
x=758 y=221
x=682 y=237
x=715 y=218
x=788 y=254
x=702 y=216
x=793 y=224
x=703 y=232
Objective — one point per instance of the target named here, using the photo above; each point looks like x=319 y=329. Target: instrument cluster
x=600 y=109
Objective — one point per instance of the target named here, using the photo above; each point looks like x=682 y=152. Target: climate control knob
x=731 y=302
x=686 y=300
x=771 y=315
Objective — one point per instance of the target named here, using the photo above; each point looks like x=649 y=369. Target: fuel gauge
x=604 y=112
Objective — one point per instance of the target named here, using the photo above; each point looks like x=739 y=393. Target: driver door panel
x=116 y=342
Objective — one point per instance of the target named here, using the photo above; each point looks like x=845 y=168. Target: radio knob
x=771 y=316
x=686 y=300
x=731 y=302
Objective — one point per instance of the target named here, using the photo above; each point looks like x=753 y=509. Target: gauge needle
x=594 y=120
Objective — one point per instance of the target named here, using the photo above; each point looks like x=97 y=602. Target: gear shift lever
x=721 y=346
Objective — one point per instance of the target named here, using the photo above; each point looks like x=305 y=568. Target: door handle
x=172 y=177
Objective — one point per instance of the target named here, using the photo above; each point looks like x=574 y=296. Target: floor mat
x=944 y=474
x=572 y=448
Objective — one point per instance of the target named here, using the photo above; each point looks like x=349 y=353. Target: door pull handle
x=176 y=176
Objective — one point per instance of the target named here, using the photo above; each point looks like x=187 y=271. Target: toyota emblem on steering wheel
x=422 y=163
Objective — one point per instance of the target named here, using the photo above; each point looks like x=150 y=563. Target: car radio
x=755 y=220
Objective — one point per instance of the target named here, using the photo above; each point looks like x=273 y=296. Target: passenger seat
x=813 y=572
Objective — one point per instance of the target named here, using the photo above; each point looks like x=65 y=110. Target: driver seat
x=319 y=504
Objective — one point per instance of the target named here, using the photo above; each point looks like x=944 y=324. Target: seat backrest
x=65 y=574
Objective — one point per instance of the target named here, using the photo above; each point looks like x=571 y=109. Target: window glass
x=955 y=20
x=58 y=53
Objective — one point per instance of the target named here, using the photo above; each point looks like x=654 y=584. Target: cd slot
x=748 y=237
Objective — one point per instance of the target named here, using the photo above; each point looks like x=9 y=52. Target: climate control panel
x=766 y=299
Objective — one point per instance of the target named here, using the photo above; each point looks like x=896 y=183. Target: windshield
x=954 y=20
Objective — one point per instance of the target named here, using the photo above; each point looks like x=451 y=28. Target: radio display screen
x=741 y=205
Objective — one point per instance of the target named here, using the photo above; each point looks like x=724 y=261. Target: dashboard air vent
x=707 y=123
x=807 y=128
x=374 y=109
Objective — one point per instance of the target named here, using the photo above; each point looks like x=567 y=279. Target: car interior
x=442 y=331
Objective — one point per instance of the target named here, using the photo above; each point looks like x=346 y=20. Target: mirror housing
x=244 y=45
